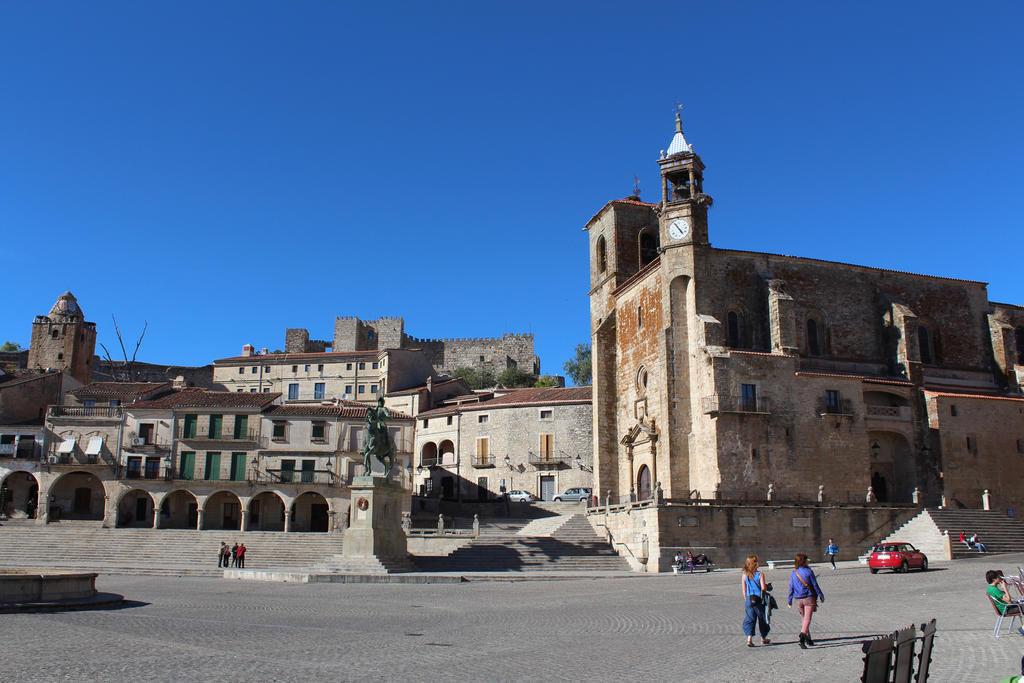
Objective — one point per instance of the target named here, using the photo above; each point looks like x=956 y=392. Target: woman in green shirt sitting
x=1000 y=594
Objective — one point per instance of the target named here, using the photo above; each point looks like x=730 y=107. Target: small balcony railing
x=284 y=476
x=726 y=403
x=94 y=412
x=548 y=460
x=148 y=445
x=146 y=470
x=481 y=461
x=200 y=434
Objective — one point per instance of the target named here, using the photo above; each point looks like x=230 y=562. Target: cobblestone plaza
x=616 y=628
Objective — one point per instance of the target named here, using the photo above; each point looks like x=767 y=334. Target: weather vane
x=636 y=185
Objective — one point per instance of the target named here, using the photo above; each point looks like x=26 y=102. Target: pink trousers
x=806 y=607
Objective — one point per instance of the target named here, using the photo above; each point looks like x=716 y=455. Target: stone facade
x=495 y=354
x=479 y=446
x=315 y=377
x=152 y=455
x=722 y=374
x=63 y=340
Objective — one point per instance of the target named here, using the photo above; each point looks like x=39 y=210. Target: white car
x=575 y=494
x=518 y=496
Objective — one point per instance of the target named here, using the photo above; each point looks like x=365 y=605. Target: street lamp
x=511 y=473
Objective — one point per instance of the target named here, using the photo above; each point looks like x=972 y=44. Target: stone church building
x=736 y=375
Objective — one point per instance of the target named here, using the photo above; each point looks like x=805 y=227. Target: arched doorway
x=310 y=513
x=266 y=512
x=19 y=495
x=135 y=510
x=179 y=510
x=893 y=467
x=643 y=483
x=223 y=510
x=77 y=495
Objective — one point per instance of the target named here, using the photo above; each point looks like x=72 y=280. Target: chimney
x=248 y=350
x=265 y=352
x=178 y=383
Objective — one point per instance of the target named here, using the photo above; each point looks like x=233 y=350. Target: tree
x=10 y=346
x=476 y=379
x=545 y=381
x=514 y=377
x=578 y=368
x=127 y=373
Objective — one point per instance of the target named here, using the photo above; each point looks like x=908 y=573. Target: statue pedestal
x=375 y=523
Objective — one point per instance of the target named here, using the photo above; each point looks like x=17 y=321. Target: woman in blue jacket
x=803 y=587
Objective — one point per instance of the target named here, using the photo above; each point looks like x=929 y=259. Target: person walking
x=241 y=555
x=220 y=554
x=831 y=550
x=803 y=587
x=754 y=597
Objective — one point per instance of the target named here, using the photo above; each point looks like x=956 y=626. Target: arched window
x=602 y=256
x=813 y=342
x=925 y=343
x=641 y=380
x=733 y=329
x=648 y=247
x=1020 y=345
x=639 y=316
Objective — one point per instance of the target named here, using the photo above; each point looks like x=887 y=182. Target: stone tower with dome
x=63 y=340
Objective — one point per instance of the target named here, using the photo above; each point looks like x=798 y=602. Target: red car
x=896 y=556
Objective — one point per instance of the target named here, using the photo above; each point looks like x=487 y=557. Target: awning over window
x=67 y=445
x=95 y=445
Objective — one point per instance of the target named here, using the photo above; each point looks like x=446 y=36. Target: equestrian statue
x=378 y=444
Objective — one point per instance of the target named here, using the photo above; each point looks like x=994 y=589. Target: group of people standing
x=231 y=556
x=759 y=603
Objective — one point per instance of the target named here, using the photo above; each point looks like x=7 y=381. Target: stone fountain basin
x=32 y=586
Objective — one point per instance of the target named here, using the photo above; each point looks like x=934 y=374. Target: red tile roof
x=864 y=378
x=120 y=389
x=519 y=397
x=946 y=394
x=279 y=358
x=201 y=398
x=344 y=409
x=627 y=200
x=423 y=387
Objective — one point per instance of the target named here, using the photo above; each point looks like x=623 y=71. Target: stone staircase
x=545 y=526
x=999 y=533
x=572 y=546
x=169 y=552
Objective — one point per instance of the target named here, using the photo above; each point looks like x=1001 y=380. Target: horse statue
x=378 y=443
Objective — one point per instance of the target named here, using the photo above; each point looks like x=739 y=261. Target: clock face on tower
x=679 y=229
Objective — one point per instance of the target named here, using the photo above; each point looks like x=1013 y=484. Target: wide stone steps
x=572 y=547
x=999 y=533
x=154 y=551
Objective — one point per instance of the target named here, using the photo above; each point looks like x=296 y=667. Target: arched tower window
x=813 y=341
x=733 y=329
x=602 y=255
x=648 y=247
x=924 y=341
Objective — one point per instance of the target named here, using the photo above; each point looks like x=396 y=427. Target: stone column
x=156 y=515
x=287 y=520
x=986 y=500
x=199 y=518
x=331 y=524
x=245 y=519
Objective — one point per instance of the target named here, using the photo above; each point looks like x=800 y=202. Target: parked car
x=519 y=496
x=574 y=494
x=898 y=557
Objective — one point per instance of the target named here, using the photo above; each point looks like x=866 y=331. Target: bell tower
x=684 y=206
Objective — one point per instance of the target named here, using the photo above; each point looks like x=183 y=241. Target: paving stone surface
x=602 y=629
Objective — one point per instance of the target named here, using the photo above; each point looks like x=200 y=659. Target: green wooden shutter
x=212 y=466
x=241 y=427
x=190 y=427
x=238 y=466
x=216 y=422
x=287 y=470
x=187 y=466
x=307 y=471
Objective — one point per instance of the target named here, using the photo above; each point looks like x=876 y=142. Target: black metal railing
x=144 y=470
x=206 y=434
x=480 y=461
x=727 y=403
x=286 y=476
x=548 y=459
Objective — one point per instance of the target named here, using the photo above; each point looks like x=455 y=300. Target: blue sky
x=226 y=170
